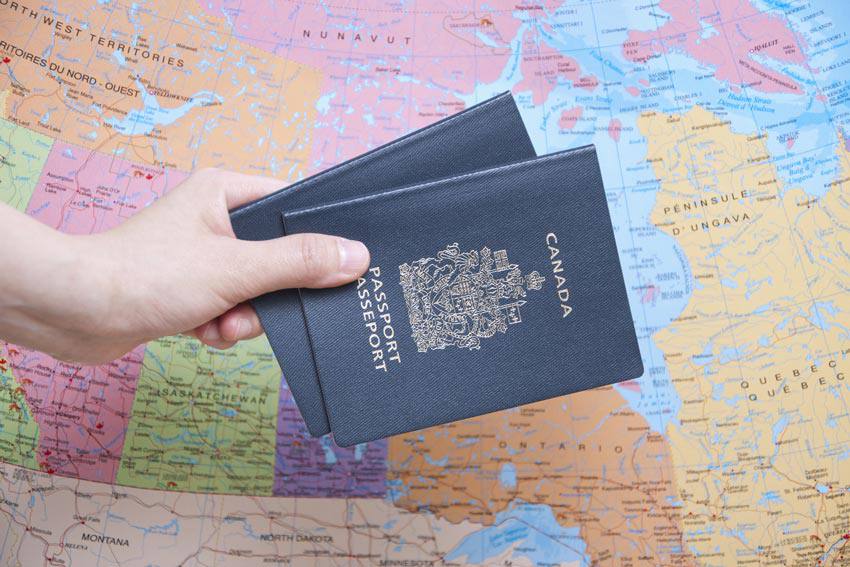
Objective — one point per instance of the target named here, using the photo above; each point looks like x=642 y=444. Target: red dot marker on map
x=99 y=425
x=7 y=60
x=148 y=176
x=47 y=452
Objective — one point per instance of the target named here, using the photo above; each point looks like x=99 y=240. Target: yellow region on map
x=201 y=98
x=757 y=356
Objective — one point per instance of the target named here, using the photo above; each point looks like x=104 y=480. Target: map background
x=683 y=101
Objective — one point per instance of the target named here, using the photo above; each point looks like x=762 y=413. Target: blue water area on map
x=323 y=105
x=171 y=528
x=507 y=475
x=152 y=115
x=769 y=497
x=328 y=450
x=533 y=530
x=780 y=426
x=436 y=462
x=824 y=314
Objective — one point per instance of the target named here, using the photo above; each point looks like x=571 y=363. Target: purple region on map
x=307 y=466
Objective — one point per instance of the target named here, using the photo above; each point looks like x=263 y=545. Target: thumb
x=298 y=260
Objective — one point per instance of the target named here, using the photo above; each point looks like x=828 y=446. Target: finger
x=210 y=335
x=205 y=332
x=240 y=323
x=220 y=345
x=237 y=188
x=299 y=260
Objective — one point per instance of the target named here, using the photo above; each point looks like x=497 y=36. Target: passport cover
x=487 y=134
x=487 y=291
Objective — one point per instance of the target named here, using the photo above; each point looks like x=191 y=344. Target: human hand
x=176 y=267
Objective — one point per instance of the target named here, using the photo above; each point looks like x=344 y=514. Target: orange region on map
x=589 y=457
x=184 y=95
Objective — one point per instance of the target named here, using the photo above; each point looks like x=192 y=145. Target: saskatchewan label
x=203 y=420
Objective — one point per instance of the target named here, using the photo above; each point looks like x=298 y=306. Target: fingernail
x=211 y=332
x=241 y=327
x=353 y=256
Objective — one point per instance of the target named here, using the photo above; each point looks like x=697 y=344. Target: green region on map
x=18 y=428
x=203 y=420
x=22 y=156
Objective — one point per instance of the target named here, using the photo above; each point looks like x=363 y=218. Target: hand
x=175 y=267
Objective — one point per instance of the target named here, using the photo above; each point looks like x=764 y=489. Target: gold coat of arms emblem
x=459 y=298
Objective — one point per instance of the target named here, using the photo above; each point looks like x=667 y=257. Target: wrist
x=49 y=302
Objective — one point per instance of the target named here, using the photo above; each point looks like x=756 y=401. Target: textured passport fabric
x=487 y=291
x=485 y=135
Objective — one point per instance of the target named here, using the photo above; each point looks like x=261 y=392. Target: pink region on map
x=731 y=35
x=544 y=68
x=81 y=191
x=81 y=411
x=387 y=70
x=650 y=294
x=570 y=117
x=615 y=128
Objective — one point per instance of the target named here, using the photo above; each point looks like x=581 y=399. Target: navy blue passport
x=487 y=291
x=485 y=135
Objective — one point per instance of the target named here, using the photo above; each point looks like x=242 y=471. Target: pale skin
x=176 y=267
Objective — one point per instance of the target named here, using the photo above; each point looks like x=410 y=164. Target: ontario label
x=459 y=298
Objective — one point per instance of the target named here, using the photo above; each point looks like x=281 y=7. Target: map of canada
x=723 y=130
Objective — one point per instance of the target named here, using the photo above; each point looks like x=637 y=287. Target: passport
x=487 y=134
x=486 y=291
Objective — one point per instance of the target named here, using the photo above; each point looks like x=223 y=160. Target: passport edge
x=430 y=128
x=456 y=178
x=635 y=372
